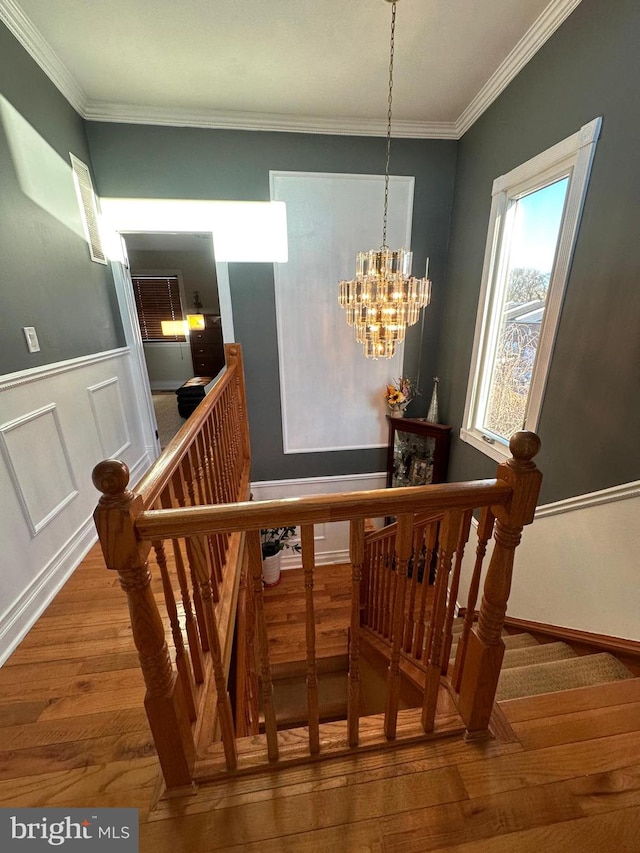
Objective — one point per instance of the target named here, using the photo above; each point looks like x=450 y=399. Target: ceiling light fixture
x=384 y=298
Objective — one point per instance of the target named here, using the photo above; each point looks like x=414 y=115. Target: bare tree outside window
x=516 y=350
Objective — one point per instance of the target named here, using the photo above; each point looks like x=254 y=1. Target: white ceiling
x=314 y=65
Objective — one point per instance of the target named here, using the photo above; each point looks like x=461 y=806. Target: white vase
x=271 y=570
x=397 y=413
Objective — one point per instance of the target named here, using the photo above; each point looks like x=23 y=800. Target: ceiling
x=300 y=65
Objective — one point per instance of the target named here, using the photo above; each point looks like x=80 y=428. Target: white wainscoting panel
x=332 y=539
x=43 y=479
x=109 y=417
x=57 y=422
x=332 y=396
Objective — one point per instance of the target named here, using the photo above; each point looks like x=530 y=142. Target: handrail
x=383 y=532
x=252 y=515
x=158 y=477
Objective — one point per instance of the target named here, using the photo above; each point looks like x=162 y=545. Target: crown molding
x=278 y=123
x=43 y=54
x=38 y=48
x=541 y=30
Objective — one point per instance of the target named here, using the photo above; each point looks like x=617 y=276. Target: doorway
x=174 y=274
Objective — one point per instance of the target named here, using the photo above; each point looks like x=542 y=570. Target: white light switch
x=32 y=338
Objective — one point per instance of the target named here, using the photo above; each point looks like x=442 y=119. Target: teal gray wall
x=169 y=162
x=46 y=277
x=590 y=420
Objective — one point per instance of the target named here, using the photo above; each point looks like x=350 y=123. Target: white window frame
x=572 y=157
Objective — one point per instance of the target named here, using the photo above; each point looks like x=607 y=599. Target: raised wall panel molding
x=18 y=618
x=41 y=52
x=110 y=417
x=331 y=395
x=36 y=374
x=44 y=481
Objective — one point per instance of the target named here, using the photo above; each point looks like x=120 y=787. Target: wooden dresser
x=207 y=350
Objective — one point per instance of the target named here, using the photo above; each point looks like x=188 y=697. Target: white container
x=271 y=570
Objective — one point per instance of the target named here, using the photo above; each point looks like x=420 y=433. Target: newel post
x=164 y=701
x=485 y=646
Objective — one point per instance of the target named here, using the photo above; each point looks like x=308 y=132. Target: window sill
x=498 y=451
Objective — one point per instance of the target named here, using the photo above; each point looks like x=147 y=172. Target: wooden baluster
x=215 y=551
x=234 y=438
x=253 y=682
x=218 y=415
x=242 y=706
x=356 y=557
x=195 y=650
x=225 y=714
x=254 y=550
x=485 y=648
x=449 y=533
x=233 y=354
x=377 y=580
x=389 y=586
x=439 y=594
x=410 y=626
x=215 y=483
x=184 y=491
x=463 y=538
x=182 y=661
x=431 y=539
x=404 y=538
x=226 y=450
x=376 y=558
x=115 y=518
x=485 y=529
x=308 y=564
x=201 y=498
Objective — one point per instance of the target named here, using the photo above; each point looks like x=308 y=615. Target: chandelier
x=384 y=298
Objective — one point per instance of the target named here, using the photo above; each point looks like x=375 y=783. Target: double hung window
x=157 y=299
x=535 y=215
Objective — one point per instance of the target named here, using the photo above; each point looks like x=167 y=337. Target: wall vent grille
x=88 y=203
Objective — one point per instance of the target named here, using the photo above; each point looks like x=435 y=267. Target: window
x=157 y=299
x=535 y=215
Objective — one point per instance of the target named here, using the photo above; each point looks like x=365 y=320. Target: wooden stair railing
x=208 y=461
x=203 y=549
x=429 y=610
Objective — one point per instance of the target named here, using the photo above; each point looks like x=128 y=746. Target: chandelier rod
x=390 y=103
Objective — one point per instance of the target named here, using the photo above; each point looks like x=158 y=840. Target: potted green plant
x=274 y=540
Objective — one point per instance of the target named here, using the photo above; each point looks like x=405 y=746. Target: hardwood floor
x=564 y=774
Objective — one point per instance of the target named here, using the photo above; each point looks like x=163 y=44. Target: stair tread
x=557 y=675
x=511 y=641
x=539 y=653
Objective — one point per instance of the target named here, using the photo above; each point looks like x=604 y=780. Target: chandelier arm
x=390 y=104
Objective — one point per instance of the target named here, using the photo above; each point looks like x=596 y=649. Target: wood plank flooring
x=563 y=776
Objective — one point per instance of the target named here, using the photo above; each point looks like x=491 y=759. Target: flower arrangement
x=275 y=539
x=400 y=393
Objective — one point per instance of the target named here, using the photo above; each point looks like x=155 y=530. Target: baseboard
x=27 y=609
x=618 y=646
x=322 y=558
x=166 y=386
